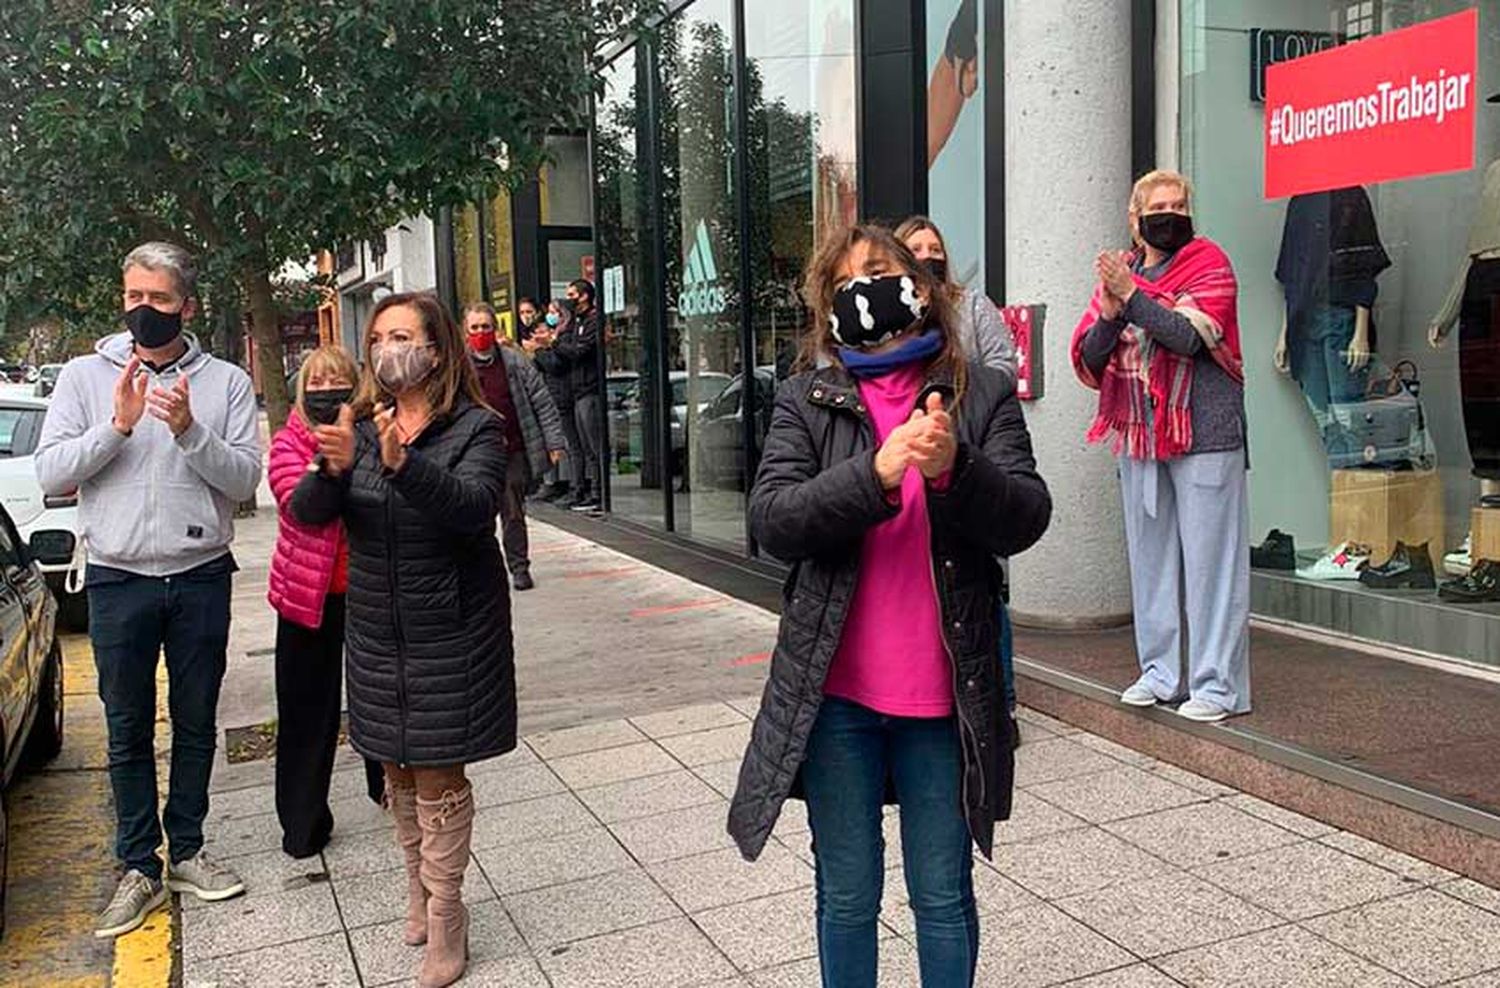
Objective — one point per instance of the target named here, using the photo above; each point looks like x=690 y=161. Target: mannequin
x=1330 y=256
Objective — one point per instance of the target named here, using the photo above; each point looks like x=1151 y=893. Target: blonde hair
x=913 y=225
x=1153 y=180
x=328 y=359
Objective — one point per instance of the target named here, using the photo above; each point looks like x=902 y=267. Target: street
x=600 y=855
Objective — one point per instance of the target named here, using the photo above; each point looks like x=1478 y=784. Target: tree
x=260 y=131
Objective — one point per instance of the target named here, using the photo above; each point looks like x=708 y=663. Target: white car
x=20 y=428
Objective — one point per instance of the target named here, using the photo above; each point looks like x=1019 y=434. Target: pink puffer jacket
x=303 y=564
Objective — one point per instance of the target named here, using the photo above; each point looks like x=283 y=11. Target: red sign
x=1025 y=325
x=1394 y=106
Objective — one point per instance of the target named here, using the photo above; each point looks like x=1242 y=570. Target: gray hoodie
x=152 y=504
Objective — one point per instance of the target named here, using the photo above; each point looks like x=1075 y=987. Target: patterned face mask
x=871 y=310
x=400 y=367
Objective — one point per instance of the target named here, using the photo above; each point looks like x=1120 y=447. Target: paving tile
x=1491 y=980
x=1052 y=725
x=747 y=705
x=1410 y=868
x=520 y=755
x=226 y=838
x=1426 y=936
x=253 y=922
x=1118 y=752
x=705 y=747
x=1474 y=894
x=1135 y=976
x=994 y=895
x=235 y=803
x=722 y=775
x=719 y=878
x=649 y=796
x=538 y=864
x=534 y=819
x=1073 y=862
x=267 y=873
x=589 y=737
x=1166 y=913
x=1303 y=880
x=898 y=969
x=793 y=819
x=1278 y=958
x=347 y=783
x=362 y=854
x=598 y=768
x=677 y=834
x=370 y=900
x=589 y=907
x=1297 y=823
x=385 y=959
x=1200 y=784
x=358 y=814
x=674 y=954
x=512 y=785
x=764 y=932
x=1115 y=794
x=687 y=720
x=1042 y=946
x=1051 y=759
x=1200 y=834
x=503 y=972
x=1031 y=818
x=322 y=962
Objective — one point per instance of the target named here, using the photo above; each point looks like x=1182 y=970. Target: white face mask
x=400 y=367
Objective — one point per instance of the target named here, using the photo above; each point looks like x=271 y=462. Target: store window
x=701 y=234
x=499 y=253
x=565 y=181
x=1369 y=301
x=468 y=267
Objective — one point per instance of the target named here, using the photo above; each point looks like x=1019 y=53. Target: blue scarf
x=867 y=365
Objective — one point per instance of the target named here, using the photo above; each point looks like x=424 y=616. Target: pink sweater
x=306 y=557
x=892 y=658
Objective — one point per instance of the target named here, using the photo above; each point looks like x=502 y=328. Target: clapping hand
x=336 y=442
x=172 y=406
x=925 y=441
x=1119 y=283
x=130 y=396
x=392 y=449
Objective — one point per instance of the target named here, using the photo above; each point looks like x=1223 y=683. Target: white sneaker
x=1342 y=562
x=1140 y=694
x=1459 y=562
x=1202 y=711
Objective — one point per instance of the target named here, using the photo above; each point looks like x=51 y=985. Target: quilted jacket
x=431 y=666
x=305 y=556
x=815 y=496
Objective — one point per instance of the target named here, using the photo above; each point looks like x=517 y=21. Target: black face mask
x=152 y=328
x=939 y=268
x=1167 y=232
x=322 y=407
x=869 y=311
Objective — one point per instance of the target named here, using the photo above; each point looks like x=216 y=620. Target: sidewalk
x=601 y=857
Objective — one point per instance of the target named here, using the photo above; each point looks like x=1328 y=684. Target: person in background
x=528 y=317
x=579 y=347
x=1160 y=342
x=894 y=473
x=533 y=432
x=161 y=441
x=309 y=575
x=541 y=346
x=981 y=332
x=416 y=471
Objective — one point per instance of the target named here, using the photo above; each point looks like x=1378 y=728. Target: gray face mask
x=400 y=367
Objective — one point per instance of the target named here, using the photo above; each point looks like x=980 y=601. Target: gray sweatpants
x=1187 y=528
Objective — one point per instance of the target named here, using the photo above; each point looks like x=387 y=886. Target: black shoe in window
x=1481 y=586
x=1409 y=568
x=1278 y=551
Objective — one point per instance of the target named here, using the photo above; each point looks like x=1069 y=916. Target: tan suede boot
x=403 y=804
x=447 y=826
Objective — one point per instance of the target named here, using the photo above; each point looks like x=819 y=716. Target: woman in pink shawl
x=1160 y=342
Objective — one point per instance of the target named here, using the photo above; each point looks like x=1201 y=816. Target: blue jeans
x=132 y=620
x=851 y=754
x=1317 y=351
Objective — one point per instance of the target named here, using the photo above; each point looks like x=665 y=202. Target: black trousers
x=513 y=513
x=1479 y=366
x=309 y=677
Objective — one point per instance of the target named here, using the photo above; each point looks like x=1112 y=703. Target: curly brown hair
x=823 y=279
x=454 y=375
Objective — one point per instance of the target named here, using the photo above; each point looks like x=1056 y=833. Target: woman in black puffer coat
x=894 y=474
x=416 y=472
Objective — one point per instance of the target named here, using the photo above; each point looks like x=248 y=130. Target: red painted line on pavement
x=750 y=660
x=691 y=605
x=593 y=573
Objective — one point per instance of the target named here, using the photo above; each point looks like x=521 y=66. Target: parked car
x=33 y=511
x=721 y=431
x=31 y=668
x=625 y=419
x=46 y=379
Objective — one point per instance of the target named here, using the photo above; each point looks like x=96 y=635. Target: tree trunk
x=266 y=330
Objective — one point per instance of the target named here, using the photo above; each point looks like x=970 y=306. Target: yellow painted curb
x=143 y=957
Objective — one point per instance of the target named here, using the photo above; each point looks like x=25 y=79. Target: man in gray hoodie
x=161 y=440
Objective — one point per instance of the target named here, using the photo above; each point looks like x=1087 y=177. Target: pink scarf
x=1198 y=284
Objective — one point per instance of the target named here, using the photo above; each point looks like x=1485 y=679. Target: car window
x=19 y=430
x=727 y=403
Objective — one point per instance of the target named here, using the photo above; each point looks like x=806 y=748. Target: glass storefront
x=1369 y=301
x=499 y=255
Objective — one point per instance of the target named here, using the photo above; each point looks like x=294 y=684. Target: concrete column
x=1067 y=185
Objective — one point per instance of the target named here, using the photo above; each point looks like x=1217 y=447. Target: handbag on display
x=1384 y=429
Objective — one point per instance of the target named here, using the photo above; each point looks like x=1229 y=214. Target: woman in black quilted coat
x=894 y=473
x=416 y=472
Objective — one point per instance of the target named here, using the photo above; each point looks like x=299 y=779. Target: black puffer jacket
x=815 y=497
x=428 y=640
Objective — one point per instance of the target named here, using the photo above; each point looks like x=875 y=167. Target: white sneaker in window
x=1342 y=562
x=1459 y=562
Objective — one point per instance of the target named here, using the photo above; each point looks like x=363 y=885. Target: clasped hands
x=925 y=441
x=1113 y=269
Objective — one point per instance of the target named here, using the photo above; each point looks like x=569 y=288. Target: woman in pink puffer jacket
x=309 y=574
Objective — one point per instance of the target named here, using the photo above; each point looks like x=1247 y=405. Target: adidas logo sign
x=701 y=293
